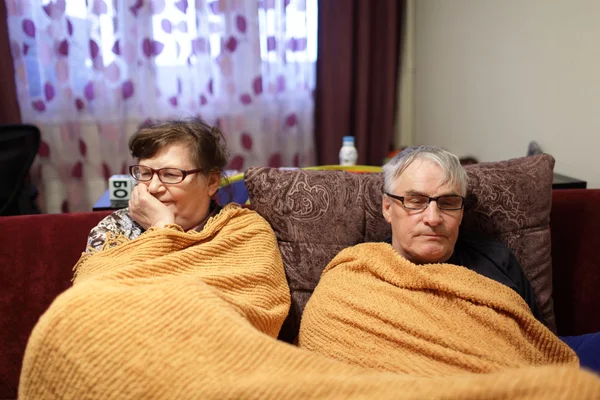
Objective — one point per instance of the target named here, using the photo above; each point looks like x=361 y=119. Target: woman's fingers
x=147 y=210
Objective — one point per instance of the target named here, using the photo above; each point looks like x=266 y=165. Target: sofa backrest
x=574 y=221
x=315 y=214
x=37 y=253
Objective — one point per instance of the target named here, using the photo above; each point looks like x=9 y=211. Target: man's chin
x=432 y=255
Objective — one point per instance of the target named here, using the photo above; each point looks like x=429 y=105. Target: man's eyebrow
x=418 y=193
x=415 y=193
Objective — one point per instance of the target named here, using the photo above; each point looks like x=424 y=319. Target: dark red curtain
x=359 y=49
x=9 y=106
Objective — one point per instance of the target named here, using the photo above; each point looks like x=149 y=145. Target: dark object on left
x=19 y=145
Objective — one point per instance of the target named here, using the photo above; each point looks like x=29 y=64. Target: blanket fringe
x=112 y=240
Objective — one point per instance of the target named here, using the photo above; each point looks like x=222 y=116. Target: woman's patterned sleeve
x=116 y=223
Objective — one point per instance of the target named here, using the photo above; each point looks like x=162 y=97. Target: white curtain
x=89 y=74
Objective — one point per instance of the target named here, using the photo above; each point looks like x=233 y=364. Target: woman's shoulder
x=118 y=223
x=243 y=215
x=237 y=211
x=119 y=220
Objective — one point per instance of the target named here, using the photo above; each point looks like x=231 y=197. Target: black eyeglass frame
x=429 y=200
x=184 y=173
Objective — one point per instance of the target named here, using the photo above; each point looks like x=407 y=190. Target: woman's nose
x=155 y=184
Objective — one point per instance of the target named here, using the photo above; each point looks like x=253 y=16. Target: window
x=77 y=46
x=172 y=28
x=300 y=32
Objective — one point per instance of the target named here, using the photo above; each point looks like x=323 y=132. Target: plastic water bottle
x=348 y=153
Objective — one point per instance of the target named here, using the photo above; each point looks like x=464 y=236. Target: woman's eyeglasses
x=166 y=175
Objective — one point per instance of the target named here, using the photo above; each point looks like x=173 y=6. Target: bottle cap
x=348 y=139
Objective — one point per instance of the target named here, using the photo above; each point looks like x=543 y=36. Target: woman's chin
x=170 y=205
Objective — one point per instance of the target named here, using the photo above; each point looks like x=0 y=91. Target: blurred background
x=286 y=80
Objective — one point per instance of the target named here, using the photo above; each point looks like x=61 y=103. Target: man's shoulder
x=475 y=250
x=480 y=241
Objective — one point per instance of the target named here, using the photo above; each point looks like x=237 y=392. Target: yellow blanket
x=175 y=315
x=376 y=309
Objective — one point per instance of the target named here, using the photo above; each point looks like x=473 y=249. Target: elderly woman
x=179 y=166
x=167 y=287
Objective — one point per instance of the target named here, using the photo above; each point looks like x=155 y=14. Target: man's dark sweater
x=491 y=258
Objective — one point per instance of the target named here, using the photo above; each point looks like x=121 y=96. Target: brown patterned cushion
x=512 y=200
x=315 y=214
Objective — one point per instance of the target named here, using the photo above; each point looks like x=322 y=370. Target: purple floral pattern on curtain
x=88 y=75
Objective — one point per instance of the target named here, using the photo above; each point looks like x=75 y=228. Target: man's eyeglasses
x=166 y=175
x=417 y=202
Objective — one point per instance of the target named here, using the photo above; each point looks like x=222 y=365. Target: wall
x=492 y=75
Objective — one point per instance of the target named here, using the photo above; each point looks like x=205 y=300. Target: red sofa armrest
x=575 y=230
x=37 y=254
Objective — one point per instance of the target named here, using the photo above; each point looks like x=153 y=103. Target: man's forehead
x=424 y=177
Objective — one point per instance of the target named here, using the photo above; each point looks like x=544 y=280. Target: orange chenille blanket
x=376 y=309
x=174 y=315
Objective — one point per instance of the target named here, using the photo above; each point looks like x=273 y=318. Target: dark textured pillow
x=315 y=214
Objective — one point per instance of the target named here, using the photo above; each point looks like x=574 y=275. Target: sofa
x=37 y=252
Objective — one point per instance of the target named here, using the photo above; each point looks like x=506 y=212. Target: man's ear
x=386 y=209
x=214 y=180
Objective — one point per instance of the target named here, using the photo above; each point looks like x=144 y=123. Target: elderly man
x=425 y=219
x=431 y=302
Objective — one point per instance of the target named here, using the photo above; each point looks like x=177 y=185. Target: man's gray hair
x=454 y=173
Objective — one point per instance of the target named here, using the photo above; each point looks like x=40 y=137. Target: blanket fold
x=376 y=309
x=173 y=315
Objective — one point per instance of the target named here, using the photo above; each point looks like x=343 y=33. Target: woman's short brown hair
x=206 y=143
